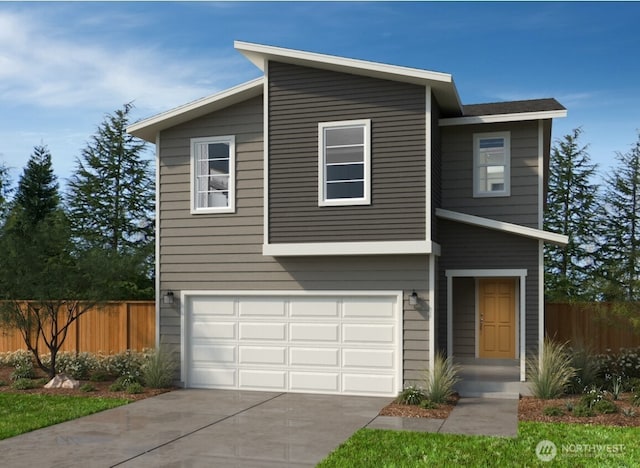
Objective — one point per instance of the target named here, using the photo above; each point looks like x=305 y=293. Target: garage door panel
x=365 y=333
x=214 y=354
x=205 y=305
x=276 y=355
x=263 y=331
x=368 y=358
x=326 y=357
x=252 y=307
x=314 y=307
x=262 y=379
x=359 y=307
x=202 y=377
x=315 y=381
x=368 y=384
x=315 y=332
x=214 y=330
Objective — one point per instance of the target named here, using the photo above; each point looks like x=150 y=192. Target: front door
x=497 y=318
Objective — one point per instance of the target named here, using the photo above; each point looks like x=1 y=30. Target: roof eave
x=147 y=129
x=498 y=118
x=442 y=84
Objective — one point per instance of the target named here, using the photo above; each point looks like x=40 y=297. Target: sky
x=65 y=65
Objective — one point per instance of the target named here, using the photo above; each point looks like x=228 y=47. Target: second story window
x=213 y=175
x=491 y=164
x=344 y=158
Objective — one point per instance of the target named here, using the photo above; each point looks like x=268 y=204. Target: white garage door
x=321 y=343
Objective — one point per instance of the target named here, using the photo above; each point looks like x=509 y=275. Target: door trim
x=520 y=274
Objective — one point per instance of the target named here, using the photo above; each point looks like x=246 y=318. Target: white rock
x=62 y=381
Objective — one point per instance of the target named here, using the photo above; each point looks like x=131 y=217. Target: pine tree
x=571 y=206
x=111 y=197
x=37 y=194
x=620 y=226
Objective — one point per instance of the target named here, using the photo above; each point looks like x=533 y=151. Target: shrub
x=119 y=385
x=3 y=383
x=629 y=412
x=428 y=404
x=25 y=384
x=126 y=365
x=99 y=376
x=77 y=365
x=87 y=387
x=635 y=399
x=605 y=407
x=583 y=411
x=158 y=368
x=552 y=411
x=551 y=375
x=134 y=388
x=586 y=367
x=591 y=397
x=412 y=395
x=441 y=379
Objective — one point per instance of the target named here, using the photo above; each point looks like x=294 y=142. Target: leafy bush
x=3 y=383
x=77 y=365
x=100 y=376
x=87 y=387
x=605 y=407
x=586 y=366
x=25 y=384
x=23 y=368
x=551 y=375
x=134 y=388
x=118 y=386
x=552 y=411
x=411 y=395
x=158 y=368
x=428 y=404
x=591 y=397
x=440 y=380
x=127 y=366
x=583 y=411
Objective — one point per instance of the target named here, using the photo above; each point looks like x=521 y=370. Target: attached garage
x=312 y=342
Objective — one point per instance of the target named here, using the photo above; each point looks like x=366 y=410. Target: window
x=491 y=168
x=344 y=163
x=213 y=175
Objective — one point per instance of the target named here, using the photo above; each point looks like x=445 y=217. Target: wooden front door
x=497 y=318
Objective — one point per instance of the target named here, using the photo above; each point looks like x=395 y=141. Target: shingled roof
x=512 y=107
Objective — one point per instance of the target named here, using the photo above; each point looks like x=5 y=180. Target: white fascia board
x=533 y=233
x=148 y=128
x=441 y=82
x=349 y=248
x=498 y=118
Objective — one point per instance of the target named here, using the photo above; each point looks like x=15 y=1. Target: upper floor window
x=491 y=164
x=344 y=163
x=213 y=174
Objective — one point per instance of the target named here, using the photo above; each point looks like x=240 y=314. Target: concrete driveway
x=199 y=428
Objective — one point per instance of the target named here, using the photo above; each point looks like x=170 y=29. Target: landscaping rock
x=62 y=381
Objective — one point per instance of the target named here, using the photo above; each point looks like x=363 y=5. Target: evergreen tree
x=571 y=207
x=620 y=224
x=111 y=196
x=37 y=194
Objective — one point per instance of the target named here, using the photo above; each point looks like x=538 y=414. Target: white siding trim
x=265 y=158
x=428 y=164
x=540 y=307
x=497 y=118
x=432 y=311
x=350 y=248
x=503 y=226
x=157 y=243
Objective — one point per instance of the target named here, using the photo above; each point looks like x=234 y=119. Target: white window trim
x=507 y=164
x=366 y=199
x=231 y=140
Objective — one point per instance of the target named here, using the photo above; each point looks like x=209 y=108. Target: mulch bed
x=101 y=388
x=413 y=411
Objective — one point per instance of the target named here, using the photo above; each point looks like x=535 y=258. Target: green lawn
x=24 y=413
x=387 y=449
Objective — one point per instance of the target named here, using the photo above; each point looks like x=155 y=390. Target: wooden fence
x=590 y=325
x=110 y=329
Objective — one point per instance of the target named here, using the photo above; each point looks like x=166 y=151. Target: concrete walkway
x=199 y=428
x=471 y=416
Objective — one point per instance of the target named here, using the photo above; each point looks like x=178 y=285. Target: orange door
x=497 y=321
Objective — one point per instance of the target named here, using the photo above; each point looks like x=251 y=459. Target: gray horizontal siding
x=457 y=173
x=224 y=251
x=302 y=97
x=464 y=318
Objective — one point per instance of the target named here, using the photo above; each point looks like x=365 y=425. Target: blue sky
x=63 y=66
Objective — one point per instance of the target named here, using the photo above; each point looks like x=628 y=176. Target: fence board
x=590 y=325
x=112 y=328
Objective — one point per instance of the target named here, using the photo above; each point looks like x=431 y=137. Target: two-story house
x=331 y=225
